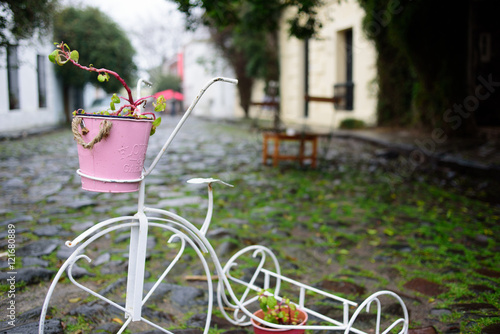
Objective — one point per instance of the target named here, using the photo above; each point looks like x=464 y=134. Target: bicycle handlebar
x=183 y=119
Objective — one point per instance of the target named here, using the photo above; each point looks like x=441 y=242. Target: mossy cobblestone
x=354 y=225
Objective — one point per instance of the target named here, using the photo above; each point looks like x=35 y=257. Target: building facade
x=339 y=63
x=30 y=96
x=202 y=62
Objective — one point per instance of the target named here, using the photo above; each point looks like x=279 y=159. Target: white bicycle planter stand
x=186 y=233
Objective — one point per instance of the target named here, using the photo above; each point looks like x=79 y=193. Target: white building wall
x=292 y=81
x=203 y=62
x=29 y=117
x=325 y=69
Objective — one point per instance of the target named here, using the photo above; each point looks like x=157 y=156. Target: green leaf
x=59 y=60
x=103 y=76
x=112 y=105
x=160 y=104
x=263 y=303
x=115 y=98
x=74 y=56
x=125 y=111
x=52 y=56
x=271 y=302
x=270 y=318
x=157 y=121
x=389 y=232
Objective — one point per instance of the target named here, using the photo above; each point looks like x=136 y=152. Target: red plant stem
x=142 y=99
x=150 y=113
x=123 y=107
x=100 y=70
x=133 y=106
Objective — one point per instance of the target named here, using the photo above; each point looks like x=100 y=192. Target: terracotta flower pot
x=115 y=153
x=260 y=329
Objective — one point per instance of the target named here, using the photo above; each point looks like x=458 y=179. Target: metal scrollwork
x=190 y=235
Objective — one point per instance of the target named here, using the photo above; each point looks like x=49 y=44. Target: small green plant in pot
x=279 y=312
x=112 y=144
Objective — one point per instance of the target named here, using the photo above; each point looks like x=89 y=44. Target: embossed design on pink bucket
x=120 y=156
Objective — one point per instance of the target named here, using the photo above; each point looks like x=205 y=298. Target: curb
x=441 y=159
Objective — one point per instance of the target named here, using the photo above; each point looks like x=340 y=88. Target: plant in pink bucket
x=281 y=312
x=112 y=144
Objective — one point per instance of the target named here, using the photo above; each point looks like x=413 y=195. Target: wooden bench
x=278 y=137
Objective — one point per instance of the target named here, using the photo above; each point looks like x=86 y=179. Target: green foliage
x=247 y=34
x=101 y=42
x=21 y=19
x=253 y=25
x=160 y=103
x=421 y=61
x=82 y=325
x=63 y=54
x=305 y=24
x=156 y=123
x=114 y=100
x=352 y=123
x=281 y=312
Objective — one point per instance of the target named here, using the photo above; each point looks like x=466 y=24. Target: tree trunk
x=245 y=85
x=238 y=61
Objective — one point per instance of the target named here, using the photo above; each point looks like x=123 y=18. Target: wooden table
x=278 y=137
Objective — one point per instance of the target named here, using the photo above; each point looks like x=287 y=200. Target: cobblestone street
x=42 y=205
x=43 y=202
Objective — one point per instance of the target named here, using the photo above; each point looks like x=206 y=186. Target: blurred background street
x=401 y=193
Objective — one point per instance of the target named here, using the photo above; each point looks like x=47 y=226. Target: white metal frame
x=187 y=233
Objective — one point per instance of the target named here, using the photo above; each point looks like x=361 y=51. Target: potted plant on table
x=280 y=312
x=112 y=144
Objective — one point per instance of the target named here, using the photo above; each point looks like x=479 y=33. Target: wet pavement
x=43 y=205
x=480 y=154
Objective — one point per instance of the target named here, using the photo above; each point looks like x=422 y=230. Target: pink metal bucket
x=118 y=156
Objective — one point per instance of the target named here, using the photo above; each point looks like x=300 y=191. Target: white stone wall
x=29 y=117
x=203 y=62
x=325 y=69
